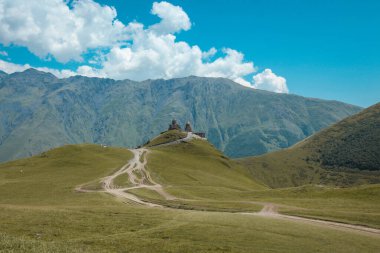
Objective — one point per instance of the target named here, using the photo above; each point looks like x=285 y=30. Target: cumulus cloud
x=209 y=54
x=152 y=56
x=89 y=71
x=243 y=82
x=231 y=66
x=55 y=28
x=173 y=18
x=267 y=80
x=52 y=28
x=9 y=68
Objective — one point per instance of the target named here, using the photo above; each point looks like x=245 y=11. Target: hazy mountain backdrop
x=39 y=111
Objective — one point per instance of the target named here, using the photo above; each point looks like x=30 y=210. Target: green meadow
x=199 y=172
x=41 y=211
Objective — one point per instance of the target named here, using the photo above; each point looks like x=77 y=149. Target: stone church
x=175 y=126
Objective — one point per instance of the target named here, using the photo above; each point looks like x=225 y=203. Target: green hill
x=51 y=177
x=347 y=153
x=197 y=171
x=353 y=143
x=166 y=137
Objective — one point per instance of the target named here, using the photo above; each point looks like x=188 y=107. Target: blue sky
x=325 y=49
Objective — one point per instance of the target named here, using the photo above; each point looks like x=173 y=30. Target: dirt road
x=139 y=177
x=270 y=210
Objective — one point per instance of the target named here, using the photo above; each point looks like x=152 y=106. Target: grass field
x=41 y=212
x=357 y=205
x=122 y=181
x=197 y=171
x=126 y=228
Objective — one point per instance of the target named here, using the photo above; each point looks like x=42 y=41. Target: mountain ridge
x=40 y=111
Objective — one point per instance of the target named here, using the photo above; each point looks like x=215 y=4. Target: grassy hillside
x=166 y=137
x=193 y=169
x=352 y=143
x=201 y=176
x=51 y=177
x=204 y=179
x=41 y=212
x=345 y=154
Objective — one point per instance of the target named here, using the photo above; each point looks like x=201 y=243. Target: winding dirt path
x=139 y=177
x=271 y=210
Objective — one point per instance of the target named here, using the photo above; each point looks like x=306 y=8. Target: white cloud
x=89 y=71
x=51 y=28
x=231 y=66
x=267 y=80
x=153 y=56
x=209 y=54
x=9 y=68
x=58 y=73
x=243 y=82
x=173 y=18
x=155 y=53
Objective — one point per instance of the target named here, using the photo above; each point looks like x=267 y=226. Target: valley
x=168 y=196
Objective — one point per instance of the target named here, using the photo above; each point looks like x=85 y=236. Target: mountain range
x=39 y=111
